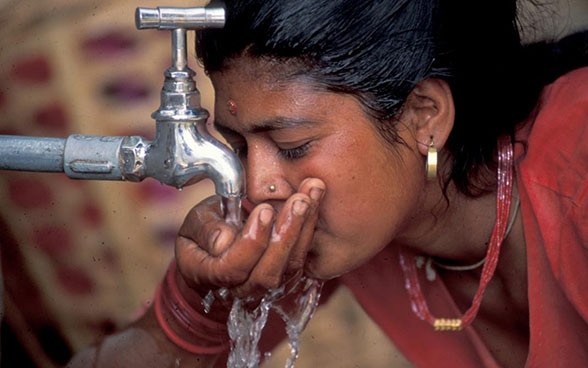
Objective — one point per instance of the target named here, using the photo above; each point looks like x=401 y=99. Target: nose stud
x=272 y=188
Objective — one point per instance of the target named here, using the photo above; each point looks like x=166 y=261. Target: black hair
x=378 y=50
x=334 y=42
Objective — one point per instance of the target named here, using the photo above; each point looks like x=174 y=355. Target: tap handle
x=169 y=18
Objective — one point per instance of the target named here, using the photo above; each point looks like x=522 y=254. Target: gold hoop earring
x=431 y=166
x=272 y=188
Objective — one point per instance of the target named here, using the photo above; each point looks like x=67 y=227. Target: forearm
x=174 y=332
x=142 y=344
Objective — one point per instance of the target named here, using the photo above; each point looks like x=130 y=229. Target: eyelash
x=289 y=154
x=292 y=154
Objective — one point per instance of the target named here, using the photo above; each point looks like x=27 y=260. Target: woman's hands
x=270 y=247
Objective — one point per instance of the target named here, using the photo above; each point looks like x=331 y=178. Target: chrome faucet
x=183 y=151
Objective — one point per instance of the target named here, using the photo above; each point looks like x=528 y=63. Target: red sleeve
x=553 y=184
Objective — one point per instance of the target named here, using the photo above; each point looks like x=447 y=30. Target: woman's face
x=288 y=131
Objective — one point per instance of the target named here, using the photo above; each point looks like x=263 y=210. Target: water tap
x=183 y=151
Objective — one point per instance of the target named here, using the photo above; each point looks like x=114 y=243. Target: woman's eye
x=294 y=153
x=284 y=151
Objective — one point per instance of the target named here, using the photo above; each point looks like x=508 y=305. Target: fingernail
x=214 y=238
x=300 y=207
x=316 y=193
x=214 y=235
x=266 y=216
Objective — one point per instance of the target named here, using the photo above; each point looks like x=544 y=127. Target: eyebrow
x=275 y=123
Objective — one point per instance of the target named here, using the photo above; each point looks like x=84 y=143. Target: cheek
x=364 y=209
x=362 y=216
x=356 y=210
x=364 y=188
x=353 y=229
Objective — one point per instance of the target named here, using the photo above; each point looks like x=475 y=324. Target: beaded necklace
x=503 y=200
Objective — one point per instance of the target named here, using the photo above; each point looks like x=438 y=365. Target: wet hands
x=269 y=250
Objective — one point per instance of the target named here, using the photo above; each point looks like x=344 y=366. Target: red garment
x=552 y=179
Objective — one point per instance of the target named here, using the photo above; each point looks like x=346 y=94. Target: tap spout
x=185 y=153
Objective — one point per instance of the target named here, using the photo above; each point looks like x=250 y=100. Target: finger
x=282 y=261
x=315 y=189
x=206 y=226
x=233 y=266
x=269 y=271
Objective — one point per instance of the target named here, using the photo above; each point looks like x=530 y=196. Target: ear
x=431 y=108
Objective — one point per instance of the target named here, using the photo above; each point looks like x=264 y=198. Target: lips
x=247 y=205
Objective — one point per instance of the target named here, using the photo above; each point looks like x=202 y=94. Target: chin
x=318 y=270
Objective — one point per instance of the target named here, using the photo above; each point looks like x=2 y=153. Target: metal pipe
x=79 y=156
x=31 y=153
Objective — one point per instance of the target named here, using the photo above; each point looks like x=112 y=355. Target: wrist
x=216 y=310
x=180 y=314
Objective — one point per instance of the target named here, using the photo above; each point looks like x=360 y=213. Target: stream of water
x=295 y=303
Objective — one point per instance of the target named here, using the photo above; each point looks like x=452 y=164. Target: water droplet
x=245 y=325
x=207 y=301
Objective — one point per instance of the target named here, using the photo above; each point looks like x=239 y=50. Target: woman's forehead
x=244 y=103
x=272 y=72
x=236 y=87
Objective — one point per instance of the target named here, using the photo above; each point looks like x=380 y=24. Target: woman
x=437 y=177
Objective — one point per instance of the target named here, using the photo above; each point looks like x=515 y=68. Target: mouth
x=247 y=206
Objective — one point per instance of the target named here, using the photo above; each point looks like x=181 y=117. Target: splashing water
x=297 y=318
x=245 y=328
x=245 y=325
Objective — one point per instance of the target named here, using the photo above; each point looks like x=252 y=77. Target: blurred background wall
x=552 y=19
x=81 y=259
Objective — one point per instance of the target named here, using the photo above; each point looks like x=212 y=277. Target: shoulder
x=569 y=91
x=556 y=156
x=552 y=177
x=553 y=171
x=563 y=105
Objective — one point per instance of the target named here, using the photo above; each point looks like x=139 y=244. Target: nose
x=266 y=180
